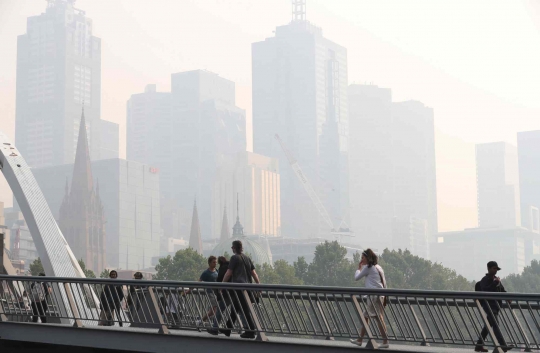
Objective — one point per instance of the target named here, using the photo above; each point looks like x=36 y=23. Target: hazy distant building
x=411 y=234
x=529 y=178
x=469 y=251
x=59 y=69
x=209 y=130
x=254 y=181
x=129 y=192
x=81 y=217
x=497 y=185
x=413 y=149
x=371 y=181
x=300 y=93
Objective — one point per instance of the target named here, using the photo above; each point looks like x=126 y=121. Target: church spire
x=82 y=172
x=225 y=227
x=195 y=241
x=238 y=229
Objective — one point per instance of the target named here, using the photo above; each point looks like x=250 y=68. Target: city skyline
x=455 y=147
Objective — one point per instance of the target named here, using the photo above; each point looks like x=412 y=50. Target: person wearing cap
x=491 y=283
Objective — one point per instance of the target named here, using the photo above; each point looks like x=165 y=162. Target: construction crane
x=311 y=192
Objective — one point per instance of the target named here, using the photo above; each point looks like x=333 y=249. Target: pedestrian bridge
x=165 y=316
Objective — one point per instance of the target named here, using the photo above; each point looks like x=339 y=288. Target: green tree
x=104 y=274
x=301 y=268
x=281 y=273
x=88 y=273
x=330 y=267
x=36 y=267
x=526 y=282
x=186 y=265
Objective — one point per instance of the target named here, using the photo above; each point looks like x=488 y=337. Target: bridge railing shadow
x=411 y=316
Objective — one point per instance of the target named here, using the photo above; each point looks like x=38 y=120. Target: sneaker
x=355 y=342
x=480 y=349
x=250 y=335
x=507 y=348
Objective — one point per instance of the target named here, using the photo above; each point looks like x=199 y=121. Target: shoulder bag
x=385 y=301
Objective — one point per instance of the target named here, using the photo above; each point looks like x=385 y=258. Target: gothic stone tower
x=81 y=217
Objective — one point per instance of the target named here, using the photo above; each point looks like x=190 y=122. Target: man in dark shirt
x=491 y=283
x=241 y=270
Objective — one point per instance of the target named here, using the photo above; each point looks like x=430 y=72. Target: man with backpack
x=491 y=283
x=241 y=270
x=39 y=291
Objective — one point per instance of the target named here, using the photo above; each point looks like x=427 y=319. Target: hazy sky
x=475 y=62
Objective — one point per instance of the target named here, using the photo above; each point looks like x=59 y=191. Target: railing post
x=261 y=336
x=424 y=339
x=163 y=329
x=74 y=310
x=372 y=344
x=498 y=348
x=329 y=337
x=3 y=317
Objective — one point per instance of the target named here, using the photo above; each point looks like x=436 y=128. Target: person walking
x=133 y=300
x=111 y=297
x=369 y=269
x=241 y=270
x=210 y=275
x=39 y=291
x=491 y=283
x=224 y=300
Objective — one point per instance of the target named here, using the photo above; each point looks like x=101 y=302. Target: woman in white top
x=374 y=275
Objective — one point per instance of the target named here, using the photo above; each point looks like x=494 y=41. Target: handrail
x=266 y=310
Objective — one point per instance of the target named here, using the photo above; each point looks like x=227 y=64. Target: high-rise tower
x=300 y=93
x=59 y=70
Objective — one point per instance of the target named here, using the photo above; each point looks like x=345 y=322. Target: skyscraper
x=81 y=216
x=498 y=185
x=529 y=178
x=371 y=167
x=59 y=70
x=413 y=158
x=209 y=131
x=300 y=93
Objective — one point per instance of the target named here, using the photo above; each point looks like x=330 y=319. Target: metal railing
x=411 y=316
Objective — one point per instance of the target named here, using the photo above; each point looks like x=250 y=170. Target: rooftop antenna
x=298 y=10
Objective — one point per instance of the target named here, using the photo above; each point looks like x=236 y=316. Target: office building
x=411 y=234
x=497 y=178
x=209 y=131
x=529 y=178
x=371 y=181
x=251 y=182
x=468 y=251
x=413 y=158
x=300 y=93
x=59 y=71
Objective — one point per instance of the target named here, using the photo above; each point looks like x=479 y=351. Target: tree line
x=330 y=267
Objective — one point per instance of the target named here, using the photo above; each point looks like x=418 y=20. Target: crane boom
x=305 y=182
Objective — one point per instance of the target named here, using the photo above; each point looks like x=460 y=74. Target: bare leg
x=382 y=328
x=362 y=332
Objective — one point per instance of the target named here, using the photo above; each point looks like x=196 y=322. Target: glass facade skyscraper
x=59 y=70
x=300 y=93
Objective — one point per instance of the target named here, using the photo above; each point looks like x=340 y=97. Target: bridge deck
x=146 y=340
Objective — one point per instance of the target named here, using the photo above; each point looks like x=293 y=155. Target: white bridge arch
x=56 y=256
